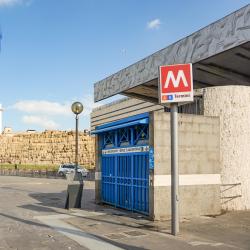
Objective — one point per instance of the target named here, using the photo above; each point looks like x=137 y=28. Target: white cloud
x=42 y=107
x=47 y=114
x=4 y=3
x=9 y=2
x=154 y=24
x=41 y=121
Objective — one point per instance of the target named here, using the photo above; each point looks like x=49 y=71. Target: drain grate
x=115 y=236
x=134 y=233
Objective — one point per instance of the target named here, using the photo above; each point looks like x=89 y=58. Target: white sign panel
x=138 y=149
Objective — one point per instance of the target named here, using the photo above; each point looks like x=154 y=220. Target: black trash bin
x=74 y=195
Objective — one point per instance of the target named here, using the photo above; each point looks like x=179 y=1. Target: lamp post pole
x=76 y=156
x=74 y=192
x=77 y=109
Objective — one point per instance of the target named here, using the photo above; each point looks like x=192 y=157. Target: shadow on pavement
x=51 y=202
x=71 y=231
x=29 y=222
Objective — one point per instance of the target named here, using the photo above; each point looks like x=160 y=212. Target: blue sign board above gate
x=151 y=158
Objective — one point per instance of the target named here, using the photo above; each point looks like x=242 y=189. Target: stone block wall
x=49 y=147
x=199 y=165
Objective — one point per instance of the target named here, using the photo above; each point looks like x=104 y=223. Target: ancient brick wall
x=49 y=147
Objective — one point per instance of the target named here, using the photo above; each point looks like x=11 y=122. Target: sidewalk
x=32 y=217
x=128 y=230
x=228 y=231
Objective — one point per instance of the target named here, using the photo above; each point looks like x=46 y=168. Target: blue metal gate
x=125 y=163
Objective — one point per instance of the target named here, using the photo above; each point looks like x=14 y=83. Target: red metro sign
x=176 y=83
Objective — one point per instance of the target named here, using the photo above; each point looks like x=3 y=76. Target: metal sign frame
x=185 y=72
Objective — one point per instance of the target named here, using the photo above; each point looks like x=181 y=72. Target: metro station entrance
x=125 y=163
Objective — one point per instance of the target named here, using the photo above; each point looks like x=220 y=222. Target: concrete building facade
x=232 y=105
x=213 y=151
x=199 y=150
x=214 y=138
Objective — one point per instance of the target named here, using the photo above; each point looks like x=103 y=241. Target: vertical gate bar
x=108 y=179
x=109 y=168
x=137 y=183
x=104 y=169
x=125 y=187
x=116 y=159
x=105 y=183
x=131 y=136
x=127 y=196
x=108 y=186
x=125 y=191
x=122 y=175
x=139 y=178
x=127 y=181
x=145 y=182
x=132 y=182
x=141 y=169
x=135 y=186
x=111 y=178
x=122 y=181
x=102 y=177
x=119 y=184
x=148 y=184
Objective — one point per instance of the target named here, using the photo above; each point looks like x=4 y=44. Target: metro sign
x=176 y=83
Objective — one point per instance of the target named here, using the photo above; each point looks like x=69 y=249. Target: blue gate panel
x=124 y=182
x=140 y=183
x=108 y=179
x=125 y=165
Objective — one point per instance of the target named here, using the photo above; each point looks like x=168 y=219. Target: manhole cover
x=135 y=233
x=115 y=236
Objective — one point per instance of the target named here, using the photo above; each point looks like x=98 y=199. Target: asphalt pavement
x=32 y=216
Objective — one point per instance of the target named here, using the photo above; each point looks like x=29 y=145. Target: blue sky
x=53 y=51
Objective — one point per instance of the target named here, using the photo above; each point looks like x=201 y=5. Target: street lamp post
x=74 y=192
x=77 y=109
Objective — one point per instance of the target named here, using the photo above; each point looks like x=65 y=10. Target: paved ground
x=32 y=217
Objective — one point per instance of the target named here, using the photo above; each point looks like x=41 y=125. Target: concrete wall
x=129 y=106
x=199 y=165
x=49 y=147
x=232 y=105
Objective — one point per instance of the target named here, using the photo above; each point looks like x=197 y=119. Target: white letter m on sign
x=176 y=81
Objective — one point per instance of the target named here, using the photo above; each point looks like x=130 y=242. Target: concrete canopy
x=220 y=54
